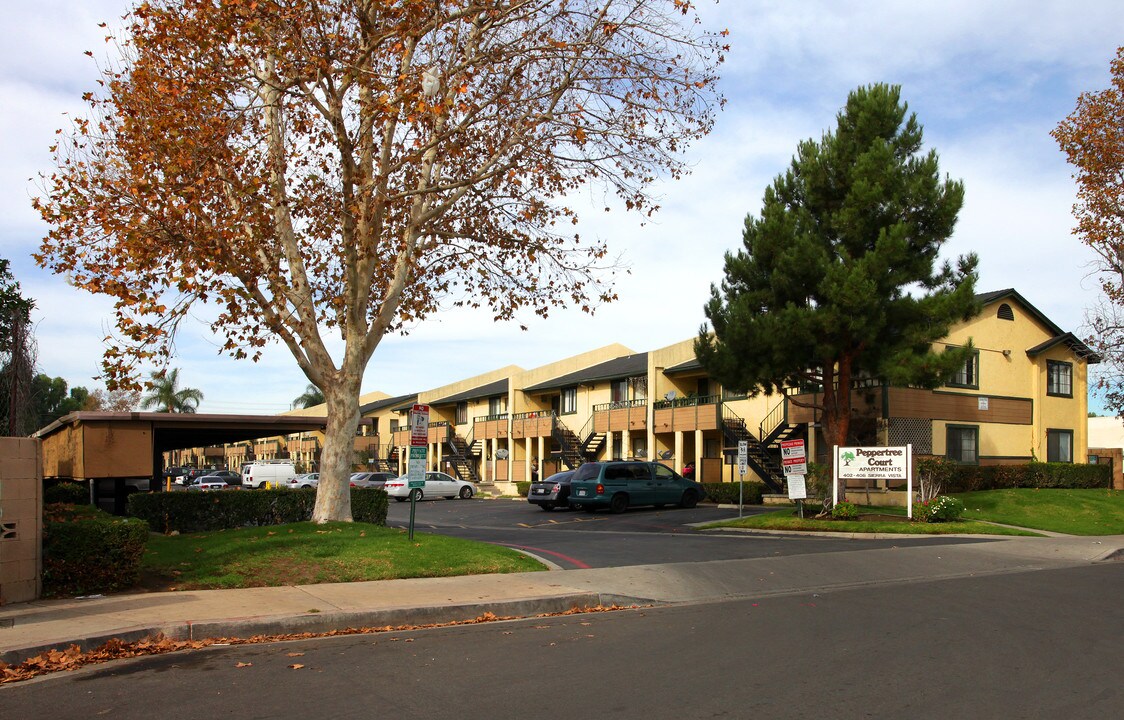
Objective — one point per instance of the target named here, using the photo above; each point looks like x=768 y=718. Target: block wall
x=21 y=519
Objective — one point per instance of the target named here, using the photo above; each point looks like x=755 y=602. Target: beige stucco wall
x=21 y=519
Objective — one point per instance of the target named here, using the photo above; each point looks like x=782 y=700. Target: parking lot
x=641 y=536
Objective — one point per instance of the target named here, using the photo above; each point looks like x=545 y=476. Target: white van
x=275 y=473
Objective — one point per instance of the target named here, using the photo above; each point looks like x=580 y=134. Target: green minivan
x=621 y=484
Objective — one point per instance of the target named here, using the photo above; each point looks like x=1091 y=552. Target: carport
x=108 y=449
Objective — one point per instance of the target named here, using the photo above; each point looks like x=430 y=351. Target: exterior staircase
x=570 y=446
x=460 y=456
x=760 y=459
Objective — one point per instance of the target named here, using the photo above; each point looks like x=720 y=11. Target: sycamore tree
x=838 y=278
x=324 y=172
x=1092 y=138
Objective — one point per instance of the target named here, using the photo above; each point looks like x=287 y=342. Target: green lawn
x=785 y=518
x=306 y=553
x=1074 y=512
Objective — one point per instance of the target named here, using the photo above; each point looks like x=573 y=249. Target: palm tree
x=164 y=396
x=310 y=397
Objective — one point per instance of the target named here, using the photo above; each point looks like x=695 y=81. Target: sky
x=987 y=79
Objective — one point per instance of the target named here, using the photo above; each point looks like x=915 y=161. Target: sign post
x=795 y=464
x=743 y=466
x=419 y=447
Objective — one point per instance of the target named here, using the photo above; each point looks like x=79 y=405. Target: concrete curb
x=317 y=623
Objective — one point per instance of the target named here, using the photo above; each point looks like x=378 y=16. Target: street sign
x=419 y=426
x=793 y=459
x=743 y=457
x=415 y=473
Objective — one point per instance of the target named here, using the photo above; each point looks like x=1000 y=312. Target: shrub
x=939 y=509
x=971 y=478
x=845 y=511
x=727 y=493
x=67 y=492
x=523 y=487
x=228 y=509
x=90 y=551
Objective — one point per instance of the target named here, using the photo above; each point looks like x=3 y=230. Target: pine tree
x=838 y=278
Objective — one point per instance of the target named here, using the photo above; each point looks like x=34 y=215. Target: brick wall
x=21 y=519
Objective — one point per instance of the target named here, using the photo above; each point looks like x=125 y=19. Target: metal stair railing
x=570 y=445
x=759 y=458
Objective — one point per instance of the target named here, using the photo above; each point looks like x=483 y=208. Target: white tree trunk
x=333 y=494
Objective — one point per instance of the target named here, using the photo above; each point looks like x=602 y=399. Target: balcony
x=488 y=427
x=535 y=424
x=687 y=414
x=631 y=415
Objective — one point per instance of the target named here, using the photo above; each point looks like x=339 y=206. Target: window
x=1059 y=379
x=394 y=424
x=462 y=413
x=618 y=391
x=496 y=405
x=1059 y=446
x=968 y=376
x=569 y=400
x=962 y=444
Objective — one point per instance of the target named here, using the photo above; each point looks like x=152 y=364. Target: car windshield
x=587 y=471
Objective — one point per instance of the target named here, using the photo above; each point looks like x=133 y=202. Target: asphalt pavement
x=29 y=629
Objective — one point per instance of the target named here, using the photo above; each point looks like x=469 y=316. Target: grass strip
x=308 y=554
x=785 y=519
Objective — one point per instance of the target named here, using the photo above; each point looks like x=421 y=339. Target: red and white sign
x=793 y=459
x=419 y=426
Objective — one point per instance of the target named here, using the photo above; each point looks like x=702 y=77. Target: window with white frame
x=569 y=400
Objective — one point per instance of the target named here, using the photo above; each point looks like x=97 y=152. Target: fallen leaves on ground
x=74 y=657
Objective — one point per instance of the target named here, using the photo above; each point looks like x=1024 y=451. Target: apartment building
x=1021 y=396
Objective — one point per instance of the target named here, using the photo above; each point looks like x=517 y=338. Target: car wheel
x=547 y=506
x=417 y=494
x=618 y=504
x=690 y=499
x=466 y=493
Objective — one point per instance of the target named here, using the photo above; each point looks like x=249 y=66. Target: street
x=574 y=539
x=1040 y=644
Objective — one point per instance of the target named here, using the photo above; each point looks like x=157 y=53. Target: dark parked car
x=619 y=485
x=552 y=492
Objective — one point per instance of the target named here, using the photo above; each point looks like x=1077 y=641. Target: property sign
x=793 y=459
x=419 y=426
x=872 y=463
x=797 y=489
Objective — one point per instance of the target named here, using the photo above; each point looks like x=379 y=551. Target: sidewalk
x=28 y=629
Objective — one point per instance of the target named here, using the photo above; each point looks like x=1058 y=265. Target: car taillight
x=600 y=489
x=557 y=487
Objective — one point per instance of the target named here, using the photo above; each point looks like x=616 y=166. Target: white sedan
x=305 y=481
x=437 y=484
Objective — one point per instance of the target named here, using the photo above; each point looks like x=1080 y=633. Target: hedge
x=86 y=550
x=970 y=478
x=727 y=493
x=221 y=510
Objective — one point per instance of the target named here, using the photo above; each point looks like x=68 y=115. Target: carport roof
x=171 y=431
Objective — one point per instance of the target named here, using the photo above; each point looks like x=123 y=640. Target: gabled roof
x=1079 y=348
x=621 y=367
x=388 y=402
x=996 y=295
x=687 y=366
x=1074 y=343
x=499 y=387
